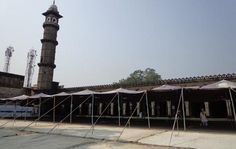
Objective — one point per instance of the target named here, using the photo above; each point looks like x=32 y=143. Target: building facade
x=11 y=85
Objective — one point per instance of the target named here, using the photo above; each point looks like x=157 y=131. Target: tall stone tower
x=49 y=43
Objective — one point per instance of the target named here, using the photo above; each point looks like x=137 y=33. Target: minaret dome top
x=53 y=10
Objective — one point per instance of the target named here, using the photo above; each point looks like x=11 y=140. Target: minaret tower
x=49 y=43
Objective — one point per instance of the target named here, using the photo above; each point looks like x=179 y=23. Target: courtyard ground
x=73 y=136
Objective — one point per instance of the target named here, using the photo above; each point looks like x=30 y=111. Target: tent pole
x=40 y=100
x=14 y=115
x=46 y=112
x=54 y=102
x=231 y=97
x=71 y=107
x=75 y=108
x=128 y=121
x=92 y=108
x=147 y=105
x=176 y=117
x=102 y=113
x=26 y=109
x=183 y=108
x=1 y=126
x=6 y=103
x=92 y=127
x=22 y=110
x=118 y=107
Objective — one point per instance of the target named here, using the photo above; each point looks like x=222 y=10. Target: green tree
x=140 y=76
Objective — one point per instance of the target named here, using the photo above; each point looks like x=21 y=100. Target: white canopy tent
x=61 y=94
x=21 y=97
x=85 y=92
x=14 y=100
x=166 y=88
x=223 y=84
x=40 y=95
x=123 y=91
x=192 y=87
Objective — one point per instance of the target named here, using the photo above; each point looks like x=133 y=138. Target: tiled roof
x=161 y=82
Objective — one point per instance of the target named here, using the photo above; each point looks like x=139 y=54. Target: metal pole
x=176 y=118
x=92 y=127
x=14 y=115
x=6 y=103
x=118 y=107
x=39 y=107
x=46 y=112
x=231 y=97
x=71 y=107
x=182 y=93
x=92 y=108
x=147 y=109
x=57 y=124
x=26 y=109
x=54 y=102
x=128 y=122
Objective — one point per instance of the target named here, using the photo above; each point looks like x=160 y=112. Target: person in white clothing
x=203 y=118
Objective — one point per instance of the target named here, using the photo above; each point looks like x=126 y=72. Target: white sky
x=101 y=42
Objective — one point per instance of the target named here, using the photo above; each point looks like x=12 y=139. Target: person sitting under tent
x=203 y=117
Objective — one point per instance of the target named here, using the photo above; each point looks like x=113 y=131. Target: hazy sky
x=103 y=41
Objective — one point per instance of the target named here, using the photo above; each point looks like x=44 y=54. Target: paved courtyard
x=68 y=136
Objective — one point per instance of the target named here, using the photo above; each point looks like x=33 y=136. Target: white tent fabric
x=85 y=92
x=124 y=91
x=61 y=94
x=2 y=98
x=166 y=88
x=40 y=95
x=21 y=97
x=220 y=85
x=192 y=87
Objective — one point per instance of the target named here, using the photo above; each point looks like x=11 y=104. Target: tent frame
x=94 y=124
x=232 y=101
x=46 y=112
x=128 y=121
x=57 y=124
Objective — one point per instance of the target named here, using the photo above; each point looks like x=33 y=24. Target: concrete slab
x=38 y=141
x=161 y=137
x=197 y=140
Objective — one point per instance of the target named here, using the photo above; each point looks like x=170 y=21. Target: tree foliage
x=140 y=76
